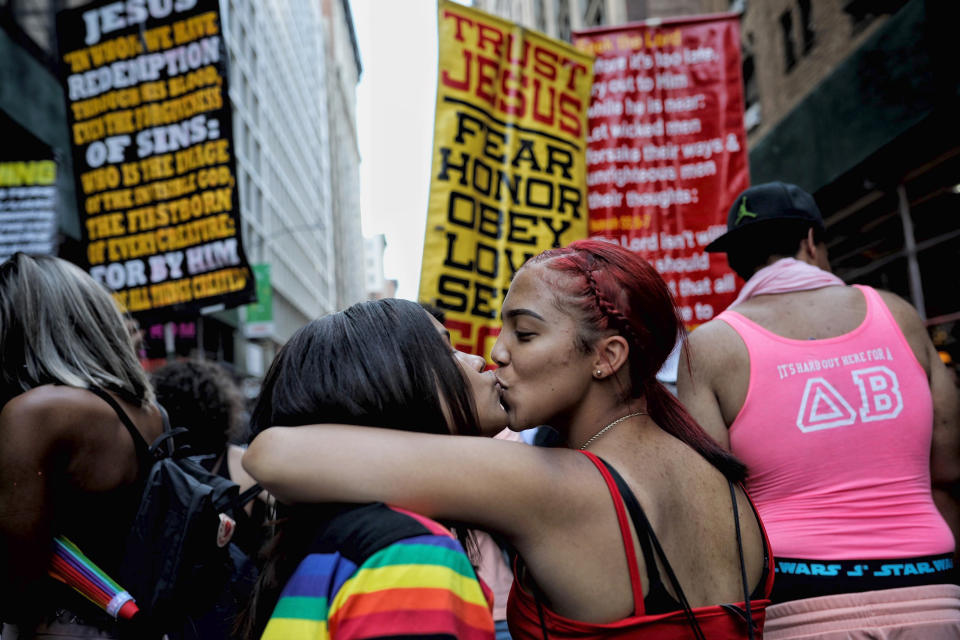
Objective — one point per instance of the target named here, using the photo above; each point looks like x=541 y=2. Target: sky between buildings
x=396 y=101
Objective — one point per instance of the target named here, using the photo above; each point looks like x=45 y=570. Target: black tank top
x=105 y=520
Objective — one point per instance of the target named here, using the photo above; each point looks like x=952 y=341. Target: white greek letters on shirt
x=823 y=407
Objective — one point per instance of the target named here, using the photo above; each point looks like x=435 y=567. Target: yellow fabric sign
x=509 y=166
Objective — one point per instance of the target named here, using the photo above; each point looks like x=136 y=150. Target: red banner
x=666 y=149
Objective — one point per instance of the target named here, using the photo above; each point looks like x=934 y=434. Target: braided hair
x=614 y=289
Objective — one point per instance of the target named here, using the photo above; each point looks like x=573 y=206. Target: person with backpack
x=68 y=463
x=585 y=330
x=371 y=570
x=201 y=397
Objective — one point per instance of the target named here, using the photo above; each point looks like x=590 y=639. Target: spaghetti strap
x=763 y=588
x=139 y=443
x=748 y=615
x=645 y=529
x=618 y=503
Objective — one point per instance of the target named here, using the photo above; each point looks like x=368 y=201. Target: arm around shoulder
x=503 y=486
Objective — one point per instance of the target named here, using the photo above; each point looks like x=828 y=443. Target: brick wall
x=834 y=37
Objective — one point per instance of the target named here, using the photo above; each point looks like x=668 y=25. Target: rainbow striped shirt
x=353 y=585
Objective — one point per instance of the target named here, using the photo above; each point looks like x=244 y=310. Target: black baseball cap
x=764 y=203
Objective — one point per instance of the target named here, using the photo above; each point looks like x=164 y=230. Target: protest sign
x=150 y=126
x=508 y=177
x=666 y=152
x=28 y=193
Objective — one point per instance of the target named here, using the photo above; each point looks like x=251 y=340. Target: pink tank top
x=836 y=436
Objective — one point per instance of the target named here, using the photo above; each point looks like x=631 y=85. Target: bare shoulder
x=73 y=417
x=59 y=409
x=903 y=312
x=45 y=424
x=712 y=345
x=912 y=327
x=715 y=334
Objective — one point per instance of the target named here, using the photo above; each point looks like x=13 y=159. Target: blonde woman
x=69 y=378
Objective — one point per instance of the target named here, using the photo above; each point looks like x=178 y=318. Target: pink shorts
x=930 y=612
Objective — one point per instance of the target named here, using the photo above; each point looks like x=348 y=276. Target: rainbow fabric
x=70 y=566
x=418 y=586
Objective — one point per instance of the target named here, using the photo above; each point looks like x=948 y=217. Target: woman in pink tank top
x=648 y=533
x=832 y=395
x=853 y=412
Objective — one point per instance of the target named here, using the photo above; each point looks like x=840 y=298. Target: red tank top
x=531 y=620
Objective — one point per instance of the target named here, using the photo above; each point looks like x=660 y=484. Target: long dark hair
x=615 y=289
x=378 y=364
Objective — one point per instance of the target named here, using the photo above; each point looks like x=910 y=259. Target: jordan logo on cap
x=743 y=213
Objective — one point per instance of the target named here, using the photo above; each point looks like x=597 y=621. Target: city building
x=376 y=284
x=298 y=176
x=344 y=68
x=559 y=18
x=855 y=101
x=857 y=104
x=294 y=66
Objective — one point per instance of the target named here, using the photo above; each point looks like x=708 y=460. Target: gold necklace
x=610 y=426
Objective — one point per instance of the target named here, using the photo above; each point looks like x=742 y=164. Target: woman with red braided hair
x=638 y=528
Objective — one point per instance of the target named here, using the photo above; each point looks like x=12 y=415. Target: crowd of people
x=801 y=484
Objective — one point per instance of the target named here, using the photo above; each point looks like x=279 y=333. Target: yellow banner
x=509 y=166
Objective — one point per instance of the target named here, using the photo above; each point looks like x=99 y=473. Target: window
x=806 y=19
x=594 y=16
x=563 y=20
x=789 y=48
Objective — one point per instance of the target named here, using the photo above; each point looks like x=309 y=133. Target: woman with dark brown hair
x=371 y=570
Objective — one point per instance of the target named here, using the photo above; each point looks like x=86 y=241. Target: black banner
x=146 y=89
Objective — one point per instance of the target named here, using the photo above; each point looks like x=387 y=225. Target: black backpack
x=178 y=562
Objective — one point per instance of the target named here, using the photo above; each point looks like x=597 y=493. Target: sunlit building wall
x=344 y=68
x=293 y=73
